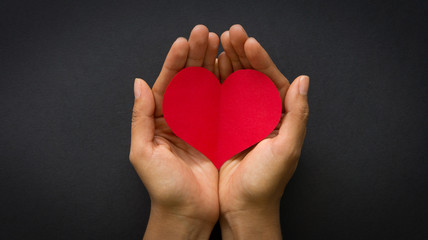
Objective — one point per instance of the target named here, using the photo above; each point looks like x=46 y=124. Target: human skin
x=182 y=182
x=188 y=194
x=251 y=184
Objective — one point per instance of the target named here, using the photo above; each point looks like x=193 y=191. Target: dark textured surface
x=67 y=71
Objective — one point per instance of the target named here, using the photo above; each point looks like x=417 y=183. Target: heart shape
x=221 y=120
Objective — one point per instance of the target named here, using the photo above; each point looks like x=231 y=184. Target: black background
x=67 y=72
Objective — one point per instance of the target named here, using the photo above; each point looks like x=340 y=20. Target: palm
x=181 y=181
x=189 y=178
x=260 y=173
x=177 y=176
x=240 y=177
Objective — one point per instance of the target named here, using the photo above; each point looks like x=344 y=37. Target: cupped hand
x=182 y=182
x=252 y=182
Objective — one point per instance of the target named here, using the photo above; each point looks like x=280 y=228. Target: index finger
x=260 y=61
x=174 y=62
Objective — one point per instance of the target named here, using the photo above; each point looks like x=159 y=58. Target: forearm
x=261 y=223
x=165 y=225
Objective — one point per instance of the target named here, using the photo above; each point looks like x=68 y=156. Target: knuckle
x=294 y=154
x=138 y=154
x=133 y=156
x=304 y=110
x=135 y=116
x=305 y=113
x=181 y=54
x=291 y=152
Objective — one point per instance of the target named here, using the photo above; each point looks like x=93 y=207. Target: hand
x=182 y=182
x=252 y=182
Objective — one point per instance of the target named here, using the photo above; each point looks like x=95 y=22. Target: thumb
x=143 y=125
x=292 y=131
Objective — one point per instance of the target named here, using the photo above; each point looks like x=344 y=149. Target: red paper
x=221 y=120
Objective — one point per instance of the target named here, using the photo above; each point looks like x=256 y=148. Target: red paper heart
x=221 y=120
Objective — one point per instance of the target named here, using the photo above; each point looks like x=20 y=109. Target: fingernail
x=304 y=85
x=253 y=39
x=179 y=38
x=137 y=88
x=237 y=25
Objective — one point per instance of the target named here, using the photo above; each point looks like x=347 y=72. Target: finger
x=211 y=52
x=224 y=66
x=143 y=125
x=174 y=62
x=260 y=61
x=293 y=128
x=216 y=71
x=238 y=36
x=198 y=42
x=228 y=48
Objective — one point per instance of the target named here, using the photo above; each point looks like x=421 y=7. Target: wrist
x=251 y=223
x=165 y=224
